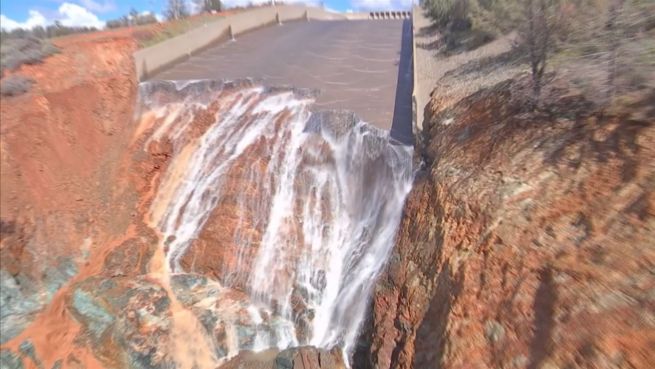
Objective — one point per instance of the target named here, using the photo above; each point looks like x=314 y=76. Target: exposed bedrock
x=304 y=357
x=527 y=242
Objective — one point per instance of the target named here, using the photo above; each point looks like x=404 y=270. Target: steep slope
x=527 y=241
x=62 y=145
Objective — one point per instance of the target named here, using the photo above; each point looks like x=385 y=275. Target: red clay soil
x=528 y=241
x=76 y=186
x=63 y=144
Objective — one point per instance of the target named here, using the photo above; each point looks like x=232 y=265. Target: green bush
x=491 y=16
x=468 y=24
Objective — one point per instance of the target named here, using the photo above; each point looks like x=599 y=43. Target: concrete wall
x=152 y=59
x=417 y=103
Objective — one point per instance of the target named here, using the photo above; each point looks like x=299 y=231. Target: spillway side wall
x=417 y=103
x=153 y=59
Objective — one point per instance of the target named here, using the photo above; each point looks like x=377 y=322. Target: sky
x=94 y=13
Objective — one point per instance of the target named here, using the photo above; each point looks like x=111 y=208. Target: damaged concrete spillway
x=291 y=211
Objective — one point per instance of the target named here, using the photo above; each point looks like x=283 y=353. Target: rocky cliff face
x=527 y=242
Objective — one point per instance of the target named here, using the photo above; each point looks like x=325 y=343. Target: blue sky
x=29 y=13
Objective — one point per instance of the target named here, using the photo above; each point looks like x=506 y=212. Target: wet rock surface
x=305 y=357
x=527 y=242
x=125 y=321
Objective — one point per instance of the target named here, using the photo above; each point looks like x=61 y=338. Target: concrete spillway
x=354 y=64
x=326 y=188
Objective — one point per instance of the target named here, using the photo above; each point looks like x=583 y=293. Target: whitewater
x=329 y=201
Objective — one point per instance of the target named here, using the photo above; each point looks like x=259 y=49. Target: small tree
x=132 y=17
x=448 y=12
x=176 y=10
x=540 y=21
x=210 y=5
x=39 y=32
x=614 y=42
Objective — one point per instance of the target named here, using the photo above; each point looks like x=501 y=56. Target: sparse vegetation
x=611 y=47
x=176 y=9
x=537 y=29
x=606 y=46
x=209 y=6
x=55 y=30
x=449 y=12
x=134 y=18
x=15 y=52
x=15 y=85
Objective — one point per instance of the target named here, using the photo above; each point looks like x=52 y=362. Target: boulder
x=308 y=357
x=305 y=357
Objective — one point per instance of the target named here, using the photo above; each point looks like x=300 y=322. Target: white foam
x=327 y=228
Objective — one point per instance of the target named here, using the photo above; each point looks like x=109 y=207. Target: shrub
x=15 y=52
x=15 y=85
x=468 y=24
x=54 y=30
x=538 y=28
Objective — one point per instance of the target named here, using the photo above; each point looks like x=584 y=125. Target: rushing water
x=329 y=192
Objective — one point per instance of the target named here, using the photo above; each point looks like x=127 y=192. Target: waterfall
x=318 y=198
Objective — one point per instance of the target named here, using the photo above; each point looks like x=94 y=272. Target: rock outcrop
x=305 y=357
x=527 y=241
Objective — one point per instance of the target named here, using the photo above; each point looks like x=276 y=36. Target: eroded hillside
x=527 y=240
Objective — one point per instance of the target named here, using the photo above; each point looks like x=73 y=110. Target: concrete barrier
x=416 y=125
x=155 y=58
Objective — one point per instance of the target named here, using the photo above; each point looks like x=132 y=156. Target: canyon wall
x=527 y=240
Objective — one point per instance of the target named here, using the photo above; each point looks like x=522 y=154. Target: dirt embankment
x=62 y=142
x=527 y=240
x=64 y=198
